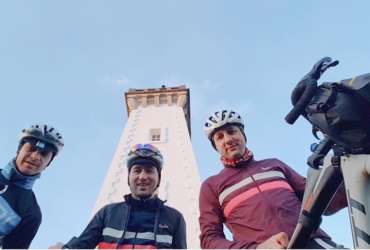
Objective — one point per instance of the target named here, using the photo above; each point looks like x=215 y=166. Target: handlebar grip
x=307 y=95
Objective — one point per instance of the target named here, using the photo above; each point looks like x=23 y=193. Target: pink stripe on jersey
x=234 y=202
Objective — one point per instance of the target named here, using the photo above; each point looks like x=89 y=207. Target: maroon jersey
x=255 y=200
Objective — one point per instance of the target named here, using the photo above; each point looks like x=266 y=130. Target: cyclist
x=142 y=220
x=258 y=200
x=20 y=214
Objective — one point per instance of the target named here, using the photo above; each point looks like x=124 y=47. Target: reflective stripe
x=162 y=238
x=247 y=181
x=129 y=235
x=136 y=246
x=323 y=244
x=108 y=231
x=145 y=236
x=252 y=192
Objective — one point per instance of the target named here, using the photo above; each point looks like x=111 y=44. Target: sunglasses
x=41 y=147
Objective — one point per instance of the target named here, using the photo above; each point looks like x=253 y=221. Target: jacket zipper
x=124 y=225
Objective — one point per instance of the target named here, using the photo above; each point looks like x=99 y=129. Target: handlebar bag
x=342 y=112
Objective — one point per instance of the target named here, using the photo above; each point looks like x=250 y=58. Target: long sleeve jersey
x=133 y=224
x=255 y=200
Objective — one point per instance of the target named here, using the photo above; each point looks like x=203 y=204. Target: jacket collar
x=235 y=163
x=11 y=173
x=151 y=203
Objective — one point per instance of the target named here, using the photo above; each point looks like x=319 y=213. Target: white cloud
x=113 y=80
x=122 y=81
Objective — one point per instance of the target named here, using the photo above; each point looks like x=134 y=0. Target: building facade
x=161 y=117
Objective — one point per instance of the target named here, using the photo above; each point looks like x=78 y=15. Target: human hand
x=277 y=241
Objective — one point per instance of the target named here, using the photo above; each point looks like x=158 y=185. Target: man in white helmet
x=258 y=200
x=20 y=215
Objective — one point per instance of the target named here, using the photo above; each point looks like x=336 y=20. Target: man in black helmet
x=142 y=220
x=20 y=215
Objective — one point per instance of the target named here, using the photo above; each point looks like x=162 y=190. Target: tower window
x=150 y=100
x=162 y=99
x=174 y=99
x=138 y=100
x=155 y=134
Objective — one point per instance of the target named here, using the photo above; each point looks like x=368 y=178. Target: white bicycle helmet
x=219 y=119
x=44 y=133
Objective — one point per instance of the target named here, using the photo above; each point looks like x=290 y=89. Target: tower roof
x=163 y=96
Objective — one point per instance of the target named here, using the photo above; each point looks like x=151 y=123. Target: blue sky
x=68 y=63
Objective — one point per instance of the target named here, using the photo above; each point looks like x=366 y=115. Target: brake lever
x=320 y=67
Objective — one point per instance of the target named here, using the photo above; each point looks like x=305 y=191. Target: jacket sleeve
x=298 y=184
x=211 y=222
x=23 y=234
x=179 y=238
x=92 y=234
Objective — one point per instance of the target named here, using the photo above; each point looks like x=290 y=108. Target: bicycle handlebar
x=308 y=93
x=309 y=84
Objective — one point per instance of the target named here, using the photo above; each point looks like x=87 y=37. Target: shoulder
x=172 y=216
x=168 y=210
x=209 y=185
x=172 y=210
x=269 y=163
x=269 y=160
x=215 y=180
x=113 y=207
x=111 y=211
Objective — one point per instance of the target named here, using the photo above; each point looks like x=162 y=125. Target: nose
x=227 y=139
x=36 y=155
x=143 y=175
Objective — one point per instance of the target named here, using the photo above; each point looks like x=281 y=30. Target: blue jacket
x=20 y=215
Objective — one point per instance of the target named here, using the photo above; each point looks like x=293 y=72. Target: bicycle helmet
x=44 y=133
x=219 y=119
x=145 y=153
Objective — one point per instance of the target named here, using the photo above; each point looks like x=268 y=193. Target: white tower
x=160 y=117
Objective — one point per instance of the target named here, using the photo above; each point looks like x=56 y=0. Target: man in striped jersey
x=259 y=201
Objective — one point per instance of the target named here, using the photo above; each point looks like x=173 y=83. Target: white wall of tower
x=180 y=178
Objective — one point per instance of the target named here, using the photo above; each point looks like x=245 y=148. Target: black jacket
x=20 y=215
x=114 y=226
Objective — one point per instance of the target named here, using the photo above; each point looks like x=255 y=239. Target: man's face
x=143 y=181
x=230 y=142
x=29 y=161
